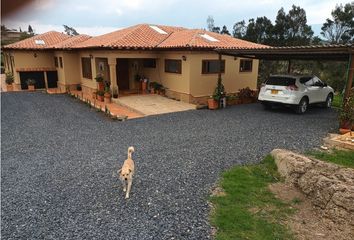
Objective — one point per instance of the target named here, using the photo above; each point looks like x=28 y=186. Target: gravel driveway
x=58 y=157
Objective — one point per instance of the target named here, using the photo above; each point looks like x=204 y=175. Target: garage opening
x=38 y=76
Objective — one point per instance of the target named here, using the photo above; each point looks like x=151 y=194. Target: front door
x=122 y=68
x=52 y=79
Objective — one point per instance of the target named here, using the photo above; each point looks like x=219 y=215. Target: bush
x=9 y=78
x=100 y=93
x=245 y=93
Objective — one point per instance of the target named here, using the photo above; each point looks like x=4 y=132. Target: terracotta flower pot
x=9 y=87
x=107 y=98
x=100 y=98
x=143 y=86
x=212 y=104
x=100 y=86
x=31 y=88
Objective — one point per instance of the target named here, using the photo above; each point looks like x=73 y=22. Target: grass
x=337 y=101
x=249 y=210
x=340 y=157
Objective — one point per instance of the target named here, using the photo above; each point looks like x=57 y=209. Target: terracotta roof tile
x=193 y=38
x=138 y=36
x=70 y=42
x=44 y=41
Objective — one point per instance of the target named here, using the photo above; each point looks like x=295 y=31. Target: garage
x=339 y=52
x=41 y=77
x=38 y=76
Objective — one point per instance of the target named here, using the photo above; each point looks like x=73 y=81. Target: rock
x=328 y=186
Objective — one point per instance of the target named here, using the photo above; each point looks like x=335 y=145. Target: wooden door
x=122 y=68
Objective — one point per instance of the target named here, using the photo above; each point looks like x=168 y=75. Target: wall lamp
x=35 y=55
x=91 y=56
x=184 y=58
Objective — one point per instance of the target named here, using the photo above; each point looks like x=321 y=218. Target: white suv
x=294 y=90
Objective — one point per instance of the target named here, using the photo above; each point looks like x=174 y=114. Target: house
x=183 y=60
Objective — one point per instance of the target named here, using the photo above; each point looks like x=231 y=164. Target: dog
x=126 y=173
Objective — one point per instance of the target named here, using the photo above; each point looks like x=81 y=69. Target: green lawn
x=343 y=158
x=337 y=101
x=249 y=210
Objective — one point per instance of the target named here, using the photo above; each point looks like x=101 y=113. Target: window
x=245 y=65
x=56 y=61
x=149 y=63
x=212 y=66
x=280 y=81
x=61 y=62
x=173 y=66
x=86 y=67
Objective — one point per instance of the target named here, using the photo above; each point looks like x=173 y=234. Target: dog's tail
x=130 y=151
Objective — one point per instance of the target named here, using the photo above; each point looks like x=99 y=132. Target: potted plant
x=100 y=81
x=78 y=87
x=94 y=94
x=30 y=83
x=9 y=81
x=100 y=94
x=219 y=94
x=107 y=96
x=107 y=92
x=152 y=87
x=144 y=84
x=115 y=93
x=346 y=116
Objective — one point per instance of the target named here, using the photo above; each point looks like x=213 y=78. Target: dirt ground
x=307 y=223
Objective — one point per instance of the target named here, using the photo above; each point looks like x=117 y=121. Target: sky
x=96 y=17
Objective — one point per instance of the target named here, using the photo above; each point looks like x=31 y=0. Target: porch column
x=45 y=79
x=112 y=73
x=349 y=77
x=93 y=68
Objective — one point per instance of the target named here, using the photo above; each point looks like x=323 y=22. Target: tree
x=30 y=29
x=339 y=29
x=298 y=33
x=280 y=28
x=239 y=29
x=216 y=29
x=210 y=23
x=70 y=31
x=225 y=31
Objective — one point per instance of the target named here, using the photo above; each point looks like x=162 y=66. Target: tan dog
x=127 y=172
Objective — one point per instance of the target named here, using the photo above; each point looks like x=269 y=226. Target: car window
x=280 y=81
x=307 y=81
x=317 y=81
x=303 y=80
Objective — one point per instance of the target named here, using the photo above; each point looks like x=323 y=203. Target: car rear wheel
x=329 y=100
x=302 y=107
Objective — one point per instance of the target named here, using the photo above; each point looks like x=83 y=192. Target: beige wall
x=111 y=56
x=233 y=80
x=31 y=59
x=190 y=82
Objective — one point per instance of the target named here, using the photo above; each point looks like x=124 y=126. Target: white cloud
x=119 y=12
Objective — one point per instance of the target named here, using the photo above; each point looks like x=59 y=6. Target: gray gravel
x=58 y=157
